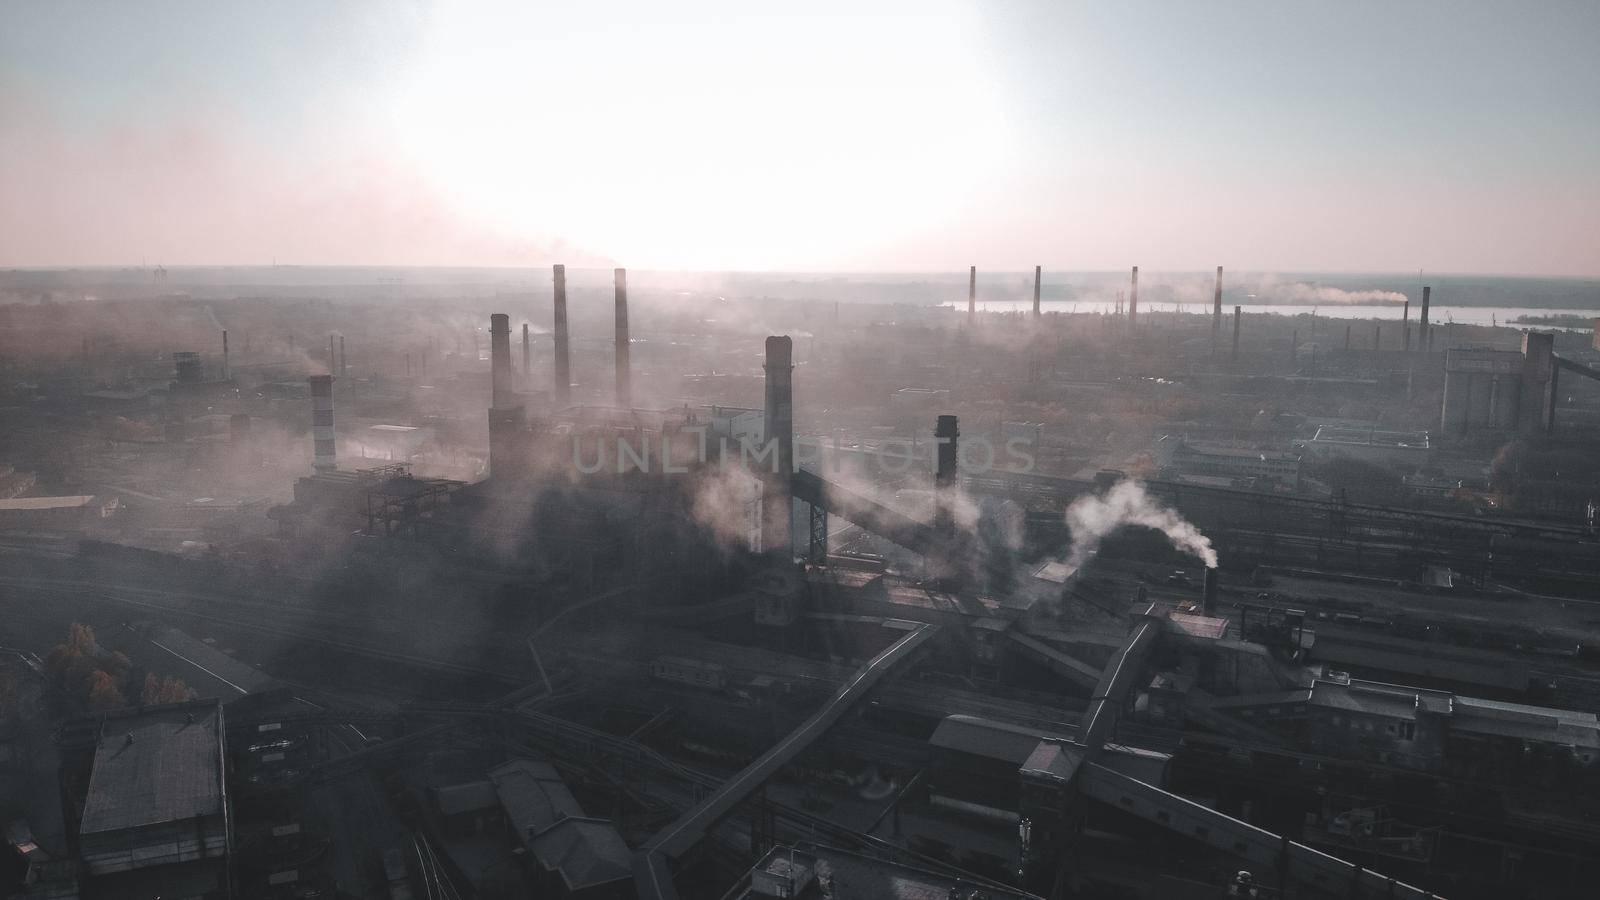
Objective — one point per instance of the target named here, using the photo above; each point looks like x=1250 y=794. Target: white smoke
x=1093 y=517
x=1300 y=292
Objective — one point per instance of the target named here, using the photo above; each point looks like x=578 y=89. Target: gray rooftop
x=586 y=852
x=172 y=769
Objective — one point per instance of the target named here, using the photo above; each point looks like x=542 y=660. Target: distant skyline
x=923 y=136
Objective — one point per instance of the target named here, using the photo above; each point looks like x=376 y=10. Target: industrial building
x=156 y=815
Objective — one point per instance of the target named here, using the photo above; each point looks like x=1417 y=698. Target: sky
x=1290 y=136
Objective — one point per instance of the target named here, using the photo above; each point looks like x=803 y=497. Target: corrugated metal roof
x=171 y=770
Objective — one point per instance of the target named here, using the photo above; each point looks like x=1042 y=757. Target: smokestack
x=333 y=356
x=1208 y=601
x=946 y=434
x=779 y=429
x=1216 y=312
x=946 y=477
x=1133 y=299
x=344 y=361
x=624 y=381
x=1424 y=339
x=1236 y=312
x=323 y=457
x=226 y=373
x=563 y=386
x=500 y=361
x=527 y=371
x=972 y=293
x=1036 y=273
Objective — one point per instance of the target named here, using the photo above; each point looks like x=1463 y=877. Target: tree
x=104 y=693
x=173 y=690
x=150 y=694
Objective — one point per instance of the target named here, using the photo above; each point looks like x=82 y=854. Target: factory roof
x=985 y=737
x=551 y=824
x=1056 y=571
x=1400 y=703
x=1053 y=760
x=586 y=852
x=1519 y=720
x=73 y=502
x=1198 y=626
x=161 y=764
x=471 y=796
x=534 y=796
x=1404 y=440
x=851 y=875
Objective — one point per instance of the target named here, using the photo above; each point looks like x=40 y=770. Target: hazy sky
x=1331 y=136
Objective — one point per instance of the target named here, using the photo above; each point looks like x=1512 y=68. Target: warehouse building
x=156 y=818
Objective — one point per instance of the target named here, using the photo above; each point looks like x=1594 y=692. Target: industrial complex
x=687 y=595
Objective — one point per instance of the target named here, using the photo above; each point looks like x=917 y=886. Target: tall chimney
x=1036 y=273
x=527 y=371
x=972 y=294
x=344 y=361
x=502 y=396
x=323 y=458
x=946 y=434
x=778 y=427
x=1424 y=339
x=946 y=476
x=1133 y=299
x=624 y=378
x=563 y=385
x=1216 y=312
x=1208 y=601
x=227 y=373
x=333 y=356
x=1236 y=312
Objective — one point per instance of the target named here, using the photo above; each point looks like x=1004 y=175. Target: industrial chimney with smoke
x=324 y=458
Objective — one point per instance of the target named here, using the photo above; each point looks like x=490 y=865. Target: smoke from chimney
x=1092 y=517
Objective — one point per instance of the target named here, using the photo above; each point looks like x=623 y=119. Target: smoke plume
x=1092 y=518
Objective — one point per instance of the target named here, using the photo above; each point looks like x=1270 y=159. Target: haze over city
x=741 y=451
